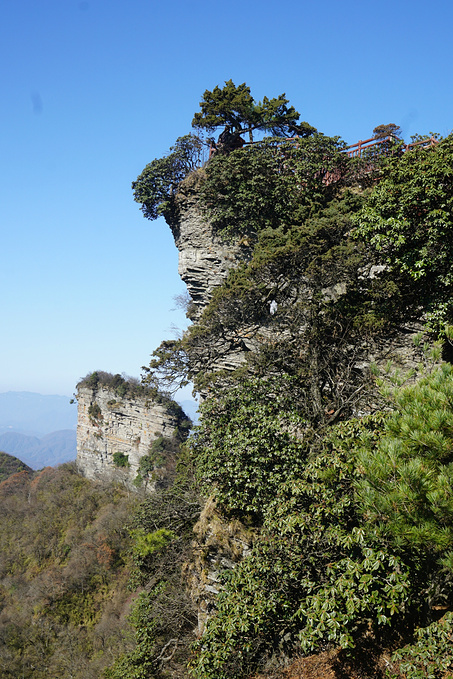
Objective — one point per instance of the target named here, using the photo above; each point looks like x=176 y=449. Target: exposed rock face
x=218 y=545
x=204 y=258
x=108 y=424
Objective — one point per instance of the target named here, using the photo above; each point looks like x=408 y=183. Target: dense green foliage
x=314 y=575
x=301 y=307
x=408 y=220
x=269 y=185
x=407 y=484
x=121 y=385
x=162 y=452
x=318 y=572
x=258 y=439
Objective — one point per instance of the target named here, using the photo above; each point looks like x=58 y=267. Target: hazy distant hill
x=191 y=409
x=36 y=414
x=10 y=465
x=50 y=450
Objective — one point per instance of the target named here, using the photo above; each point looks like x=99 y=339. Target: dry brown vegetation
x=63 y=574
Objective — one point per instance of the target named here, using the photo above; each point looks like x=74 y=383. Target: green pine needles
x=407 y=484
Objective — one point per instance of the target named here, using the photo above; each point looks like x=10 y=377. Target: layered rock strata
x=114 y=434
x=205 y=259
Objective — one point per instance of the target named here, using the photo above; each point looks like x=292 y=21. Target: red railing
x=356 y=150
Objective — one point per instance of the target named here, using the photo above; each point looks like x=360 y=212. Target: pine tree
x=407 y=483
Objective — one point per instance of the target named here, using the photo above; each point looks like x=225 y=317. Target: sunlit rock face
x=204 y=257
x=114 y=433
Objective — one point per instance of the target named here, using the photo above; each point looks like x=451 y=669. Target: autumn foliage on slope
x=63 y=574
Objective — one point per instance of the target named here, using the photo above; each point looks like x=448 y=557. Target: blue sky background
x=92 y=91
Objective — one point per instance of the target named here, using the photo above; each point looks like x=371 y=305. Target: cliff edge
x=126 y=432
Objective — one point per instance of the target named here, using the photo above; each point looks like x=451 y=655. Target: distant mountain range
x=38 y=429
x=36 y=414
x=50 y=450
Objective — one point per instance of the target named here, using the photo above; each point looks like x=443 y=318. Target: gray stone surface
x=125 y=425
x=204 y=258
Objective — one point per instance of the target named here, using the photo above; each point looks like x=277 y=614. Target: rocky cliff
x=283 y=355
x=117 y=433
x=204 y=257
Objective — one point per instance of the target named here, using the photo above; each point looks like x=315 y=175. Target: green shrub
x=430 y=656
x=251 y=438
x=121 y=460
x=94 y=412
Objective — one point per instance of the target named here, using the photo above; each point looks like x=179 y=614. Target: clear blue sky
x=92 y=91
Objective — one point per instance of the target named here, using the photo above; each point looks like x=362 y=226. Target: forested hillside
x=71 y=557
x=10 y=465
x=63 y=574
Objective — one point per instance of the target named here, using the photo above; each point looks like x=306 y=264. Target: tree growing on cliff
x=156 y=185
x=234 y=107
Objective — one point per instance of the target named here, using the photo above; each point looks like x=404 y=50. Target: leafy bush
x=250 y=440
x=408 y=219
x=431 y=656
x=94 y=412
x=121 y=460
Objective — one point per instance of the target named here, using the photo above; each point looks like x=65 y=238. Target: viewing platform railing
x=356 y=150
x=359 y=148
